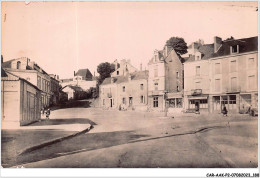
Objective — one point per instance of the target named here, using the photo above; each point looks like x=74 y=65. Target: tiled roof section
x=245 y=45
x=84 y=73
x=120 y=79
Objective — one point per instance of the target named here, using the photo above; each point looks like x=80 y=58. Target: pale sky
x=65 y=36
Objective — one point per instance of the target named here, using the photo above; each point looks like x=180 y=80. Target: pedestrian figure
x=224 y=111
x=48 y=112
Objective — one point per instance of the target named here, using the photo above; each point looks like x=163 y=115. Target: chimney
x=141 y=67
x=217 y=43
x=74 y=73
x=58 y=77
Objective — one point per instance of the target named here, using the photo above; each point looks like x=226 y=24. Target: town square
x=129 y=85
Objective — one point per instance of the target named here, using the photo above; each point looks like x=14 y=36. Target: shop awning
x=198 y=98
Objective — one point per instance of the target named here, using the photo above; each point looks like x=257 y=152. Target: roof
x=66 y=80
x=7 y=78
x=3 y=73
x=245 y=45
x=206 y=50
x=73 y=87
x=120 y=79
x=84 y=73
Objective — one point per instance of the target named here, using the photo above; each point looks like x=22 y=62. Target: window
x=123 y=88
x=233 y=66
x=172 y=103
x=233 y=84
x=123 y=101
x=217 y=85
x=155 y=102
x=198 y=70
x=155 y=86
x=204 y=103
x=117 y=72
x=142 y=99
x=197 y=58
x=178 y=89
x=177 y=75
x=251 y=82
x=251 y=63
x=18 y=65
x=141 y=86
x=156 y=71
x=217 y=68
x=234 y=49
x=178 y=102
x=39 y=82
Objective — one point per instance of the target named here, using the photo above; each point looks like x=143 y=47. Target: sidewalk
x=18 y=140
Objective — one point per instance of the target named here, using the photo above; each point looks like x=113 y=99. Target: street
x=148 y=140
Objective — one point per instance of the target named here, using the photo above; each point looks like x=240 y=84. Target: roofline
x=236 y=54
x=20 y=78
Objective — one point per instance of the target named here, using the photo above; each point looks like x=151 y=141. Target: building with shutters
x=222 y=74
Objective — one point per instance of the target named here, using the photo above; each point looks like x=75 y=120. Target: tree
x=178 y=44
x=104 y=70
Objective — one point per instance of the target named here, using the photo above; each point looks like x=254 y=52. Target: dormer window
x=234 y=49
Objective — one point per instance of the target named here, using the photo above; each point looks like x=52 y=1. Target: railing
x=196 y=92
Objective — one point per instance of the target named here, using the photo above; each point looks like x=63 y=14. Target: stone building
x=123 y=67
x=123 y=92
x=165 y=81
x=223 y=74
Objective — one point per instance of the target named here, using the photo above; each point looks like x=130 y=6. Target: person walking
x=224 y=111
x=48 y=112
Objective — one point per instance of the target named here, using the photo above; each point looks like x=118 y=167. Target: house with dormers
x=165 y=81
x=222 y=74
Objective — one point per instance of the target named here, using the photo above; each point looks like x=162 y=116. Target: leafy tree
x=104 y=70
x=178 y=44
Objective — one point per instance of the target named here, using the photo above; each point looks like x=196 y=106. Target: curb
x=27 y=150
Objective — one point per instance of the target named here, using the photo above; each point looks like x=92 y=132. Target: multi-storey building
x=30 y=71
x=127 y=91
x=223 y=74
x=165 y=82
x=54 y=89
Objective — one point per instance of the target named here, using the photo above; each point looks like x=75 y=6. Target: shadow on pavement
x=85 y=142
x=72 y=104
x=63 y=121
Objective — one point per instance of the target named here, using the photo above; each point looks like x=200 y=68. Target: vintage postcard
x=105 y=84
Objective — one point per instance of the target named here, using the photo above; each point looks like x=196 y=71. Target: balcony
x=196 y=92
x=109 y=95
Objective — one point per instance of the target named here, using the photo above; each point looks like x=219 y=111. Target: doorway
x=130 y=101
x=111 y=103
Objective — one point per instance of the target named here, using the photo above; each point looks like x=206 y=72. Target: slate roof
x=120 y=79
x=85 y=73
x=245 y=45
